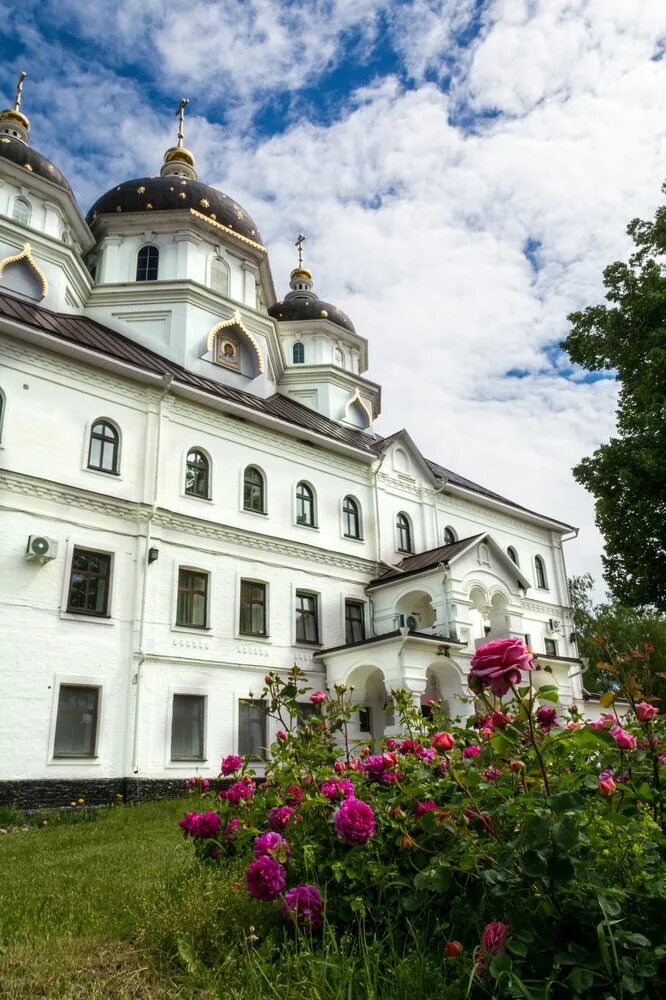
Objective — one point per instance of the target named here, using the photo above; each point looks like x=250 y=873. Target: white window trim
x=356 y=600
x=320 y=624
x=396 y=535
x=352 y=538
x=191 y=629
x=250 y=637
x=185 y=765
x=78 y=680
x=211 y=470
x=209 y=274
x=456 y=537
x=545 y=573
x=104 y=549
x=271 y=728
x=315 y=505
x=244 y=510
x=116 y=476
x=26 y=201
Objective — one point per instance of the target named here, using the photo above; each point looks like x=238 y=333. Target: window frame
x=351 y=602
x=262 y=476
x=208 y=473
x=21 y=200
x=241 y=750
x=206 y=576
x=115 y=445
x=66 y=682
x=540 y=575
x=358 y=535
x=301 y=352
x=550 y=642
x=224 y=267
x=300 y=616
x=298 y=501
x=203 y=699
x=514 y=558
x=263 y=586
x=147 y=266
x=449 y=535
x=86 y=612
x=400 y=529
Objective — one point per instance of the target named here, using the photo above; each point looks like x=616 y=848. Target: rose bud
x=646 y=712
x=364 y=752
x=395 y=812
x=390 y=759
x=454 y=949
x=340 y=766
x=607 y=786
x=317 y=697
x=442 y=742
x=281 y=736
x=407 y=842
x=517 y=766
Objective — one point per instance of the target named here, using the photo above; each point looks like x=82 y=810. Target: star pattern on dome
x=324 y=313
x=181 y=194
x=118 y=208
x=27 y=167
x=204 y=203
x=149 y=205
x=141 y=189
x=5 y=140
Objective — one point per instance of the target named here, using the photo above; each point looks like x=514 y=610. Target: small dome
x=16 y=151
x=171 y=192
x=307 y=306
x=179 y=154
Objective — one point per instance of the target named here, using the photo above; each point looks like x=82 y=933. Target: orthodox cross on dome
x=19 y=91
x=299 y=244
x=184 y=101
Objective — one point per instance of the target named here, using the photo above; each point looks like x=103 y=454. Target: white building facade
x=192 y=493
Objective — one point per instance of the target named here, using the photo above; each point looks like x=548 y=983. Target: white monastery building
x=192 y=492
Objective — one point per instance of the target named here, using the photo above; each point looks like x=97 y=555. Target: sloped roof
x=425 y=560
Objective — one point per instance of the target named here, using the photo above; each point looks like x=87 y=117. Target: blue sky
x=463 y=170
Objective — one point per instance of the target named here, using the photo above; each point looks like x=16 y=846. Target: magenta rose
x=239 y=791
x=187 y=823
x=279 y=816
x=624 y=740
x=423 y=807
x=646 y=712
x=354 y=821
x=205 y=825
x=230 y=829
x=294 y=795
x=198 y=784
x=304 y=907
x=272 y=845
x=493 y=942
x=499 y=664
x=231 y=764
x=318 y=697
x=472 y=751
x=335 y=789
x=266 y=878
x=547 y=718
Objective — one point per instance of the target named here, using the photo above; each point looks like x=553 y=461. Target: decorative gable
x=21 y=274
x=231 y=345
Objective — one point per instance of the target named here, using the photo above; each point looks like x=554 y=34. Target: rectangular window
x=252 y=728
x=252 y=608
x=192 y=606
x=354 y=621
x=551 y=647
x=76 y=722
x=364 y=719
x=188 y=720
x=307 y=619
x=89 y=583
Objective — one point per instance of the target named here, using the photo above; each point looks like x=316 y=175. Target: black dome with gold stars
x=25 y=156
x=297 y=306
x=170 y=192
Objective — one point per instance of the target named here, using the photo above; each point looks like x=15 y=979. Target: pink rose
x=340 y=766
x=354 y=821
x=607 y=786
x=272 y=845
x=334 y=789
x=279 y=816
x=646 y=712
x=624 y=740
x=304 y=907
x=499 y=664
x=442 y=742
x=281 y=736
x=454 y=949
x=547 y=718
x=231 y=764
x=423 y=807
x=266 y=878
x=239 y=791
x=318 y=697
x=472 y=751
x=294 y=795
x=493 y=942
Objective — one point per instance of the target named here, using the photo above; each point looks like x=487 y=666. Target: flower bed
x=525 y=846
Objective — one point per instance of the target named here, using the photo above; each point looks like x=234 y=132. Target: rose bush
x=521 y=847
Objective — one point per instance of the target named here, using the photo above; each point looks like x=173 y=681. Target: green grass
x=118 y=908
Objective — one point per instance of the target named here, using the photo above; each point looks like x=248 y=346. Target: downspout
x=140 y=653
x=378 y=531
x=440 y=489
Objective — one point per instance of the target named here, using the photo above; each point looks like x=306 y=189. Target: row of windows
x=298 y=355
x=77 y=724
x=148 y=263
x=89 y=589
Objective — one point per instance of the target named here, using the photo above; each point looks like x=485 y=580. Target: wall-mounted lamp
x=153 y=554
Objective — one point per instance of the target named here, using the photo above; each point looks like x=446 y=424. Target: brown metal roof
x=424 y=560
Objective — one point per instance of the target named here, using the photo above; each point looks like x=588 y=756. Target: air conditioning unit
x=41 y=549
x=554 y=624
x=412 y=622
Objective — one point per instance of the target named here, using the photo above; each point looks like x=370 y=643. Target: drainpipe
x=378 y=530
x=440 y=489
x=140 y=653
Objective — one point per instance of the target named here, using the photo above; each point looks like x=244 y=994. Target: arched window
x=147 y=261
x=351 y=518
x=540 y=573
x=197 y=474
x=338 y=357
x=104 y=450
x=254 y=490
x=449 y=535
x=21 y=211
x=404 y=533
x=513 y=555
x=305 y=505
x=219 y=276
x=298 y=353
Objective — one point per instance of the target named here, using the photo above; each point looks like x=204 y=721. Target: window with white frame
x=253 y=606
x=219 y=276
x=254 y=490
x=104 y=449
x=147 y=263
x=403 y=530
x=513 y=555
x=197 y=474
x=550 y=647
x=354 y=621
x=89 y=583
x=351 y=518
x=298 y=353
x=449 y=535
x=192 y=602
x=188 y=721
x=305 y=506
x=307 y=617
x=21 y=211
x=76 y=721
x=252 y=728
x=540 y=573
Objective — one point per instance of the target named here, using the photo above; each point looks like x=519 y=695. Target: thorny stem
x=533 y=739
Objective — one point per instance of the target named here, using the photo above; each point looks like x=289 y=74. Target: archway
x=375 y=713
x=415 y=611
x=445 y=684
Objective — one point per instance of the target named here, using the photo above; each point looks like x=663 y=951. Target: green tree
x=627 y=476
x=609 y=629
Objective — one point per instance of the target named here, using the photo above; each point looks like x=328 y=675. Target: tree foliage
x=627 y=475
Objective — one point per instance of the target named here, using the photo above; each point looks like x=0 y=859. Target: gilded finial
x=184 y=101
x=19 y=91
x=299 y=244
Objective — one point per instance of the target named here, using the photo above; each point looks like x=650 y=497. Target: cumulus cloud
x=458 y=208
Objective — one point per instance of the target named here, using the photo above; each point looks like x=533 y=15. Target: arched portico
x=415 y=610
x=370 y=693
x=446 y=683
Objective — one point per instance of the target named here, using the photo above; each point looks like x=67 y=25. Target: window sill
x=308 y=645
x=76 y=616
x=310 y=527
x=101 y=472
x=195 y=496
x=74 y=762
x=353 y=538
x=251 y=637
x=196 y=629
x=257 y=513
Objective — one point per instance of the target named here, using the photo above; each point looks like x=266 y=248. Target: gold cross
x=184 y=101
x=299 y=243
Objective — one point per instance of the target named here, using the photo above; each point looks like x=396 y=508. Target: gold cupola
x=12 y=120
x=179 y=161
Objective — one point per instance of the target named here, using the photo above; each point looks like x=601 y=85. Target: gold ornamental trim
x=236 y=320
x=226 y=229
x=26 y=255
